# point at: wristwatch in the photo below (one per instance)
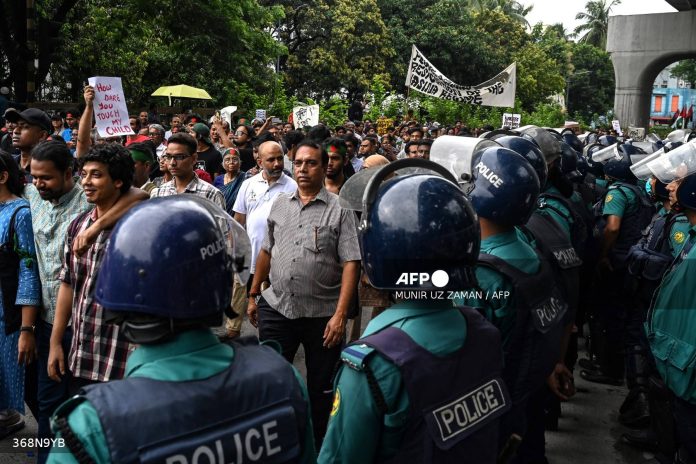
(27, 328)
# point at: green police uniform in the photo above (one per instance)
(192, 355)
(618, 201)
(357, 432)
(671, 326)
(556, 209)
(514, 249)
(678, 233)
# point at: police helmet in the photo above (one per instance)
(530, 151)
(418, 231)
(583, 167)
(455, 154)
(607, 140)
(675, 164)
(659, 191)
(571, 139)
(686, 193)
(619, 168)
(679, 135)
(497, 133)
(171, 259)
(569, 163)
(595, 168)
(591, 138)
(505, 186)
(550, 145)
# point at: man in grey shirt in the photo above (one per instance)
(312, 254)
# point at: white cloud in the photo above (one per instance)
(554, 11)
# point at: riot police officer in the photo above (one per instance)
(671, 321)
(166, 277)
(515, 295)
(621, 217)
(400, 389)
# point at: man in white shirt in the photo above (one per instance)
(257, 193)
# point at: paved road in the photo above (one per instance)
(589, 432)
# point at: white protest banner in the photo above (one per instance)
(498, 91)
(303, 116)
(226, 114)
(616, 126)
(512, 120)
(261, 114)
(110, 110)
(636, 133)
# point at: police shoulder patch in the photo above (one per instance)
(336, 402)
(609, 198)
(679, 237)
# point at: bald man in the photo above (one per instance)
(257, 193)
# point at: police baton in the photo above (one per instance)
(509, 449)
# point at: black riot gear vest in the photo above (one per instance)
(252, 411)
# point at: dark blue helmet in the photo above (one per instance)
(583, 167)
(172, 258)
(418, 231)
(571, 139)
(607, 140)
(686, 193)
(530, 151)
(505, 186)
(659, 191)
(569, 163)
(595, 168)
(620, 168)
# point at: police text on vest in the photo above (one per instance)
(471, 410)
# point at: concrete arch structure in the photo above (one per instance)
(641, 46)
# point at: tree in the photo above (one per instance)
(592, 85)
(19, 48)
(685, 70)
(350, 46)
(596, 17)
(512, 8)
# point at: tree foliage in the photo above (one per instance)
(685, 70)
(596, 22)
(592, 86)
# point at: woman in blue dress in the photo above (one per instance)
(20, 295)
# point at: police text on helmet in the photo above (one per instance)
(212, 248)
(489, 174)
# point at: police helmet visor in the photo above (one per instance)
(641, 170)
(605, 154)
(679, 135)
(549, 145)
(455, 154)
(652, 138)
(351, 194)
(676, 164)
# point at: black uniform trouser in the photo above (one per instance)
(613, 304)
(685, 421)
(320, 361)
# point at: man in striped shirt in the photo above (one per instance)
(312, 257)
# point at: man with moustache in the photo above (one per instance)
(55, 199)
(335, 169)
(98, 350)
(312, 256)
(256, 195)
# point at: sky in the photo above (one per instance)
(554, 11)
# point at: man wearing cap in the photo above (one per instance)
(143, 159)
(208, 157)
(33, 126)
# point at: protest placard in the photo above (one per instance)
(110, 110)
(226, 114)
(498, 91)
(303, 116)
(261, 114)
(616, 126)
(512, 120)
(636, 133)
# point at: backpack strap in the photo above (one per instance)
(13, 241)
